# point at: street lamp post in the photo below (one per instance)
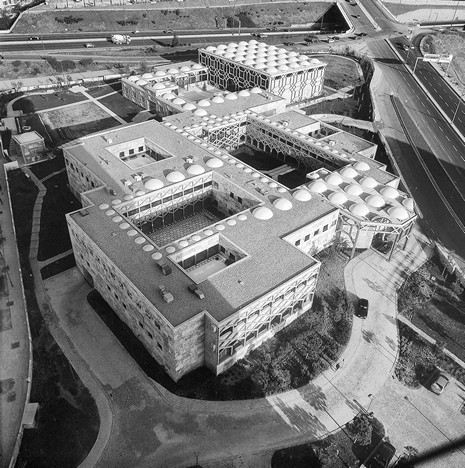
(416, 61)
(458, 105)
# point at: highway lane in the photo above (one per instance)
(437, 163)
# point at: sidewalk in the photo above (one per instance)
(156, 428)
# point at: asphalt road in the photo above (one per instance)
(437, 163)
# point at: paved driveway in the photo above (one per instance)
(421, 419)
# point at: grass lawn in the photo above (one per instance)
(76, 121)
(121, 106)
(340, 72)
(104, 89)
(47, 167)
(37, 102)
(54, 237)
(251, 16)
(68, 419)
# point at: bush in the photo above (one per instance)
(86, 61)
(68, 65)
(16, 63)
(360, 429)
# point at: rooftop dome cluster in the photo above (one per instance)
(261, 56)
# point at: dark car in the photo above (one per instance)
(362, 308)
(440, 383)
(33, 38)
(383, 456)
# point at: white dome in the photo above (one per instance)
(282, 204)
(359, 209)
(249, 62)
(398, 212)
(203, 103)
(197, 66)
(376, 201)
(334, 179)
(175, 176)
(217, 99)
(178, 101)
(133, 78)
(302, 195)
(260, 66)
(389, 192)
(160, 73)
(185, 68)
(153, 184)
(256, 91)
(314, 61)
(189, 106)
(271, 70)
(369, 182)
(158, 86)
(173, 71)
(271, 63)
(141, 83)
(354, 190)
(338, 198)
(232, 44)
(200, 112)
(229, 55)
(230, 97)
(303, 57)
(147, 76)
(210, 49)
(263, 213)
(362, 166)
(304, 63)
(408, 203)
(294, 65)
(349, 172)
(243, 93)
(318, 186)
(214, 162)
(253, 42)
(195, 169)
(169, 96)
(283, 68)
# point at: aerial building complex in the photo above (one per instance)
(203, 252)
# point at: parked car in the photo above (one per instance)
(89, 45)
(33, 38)
(362, 308)
(440, 383)
(383, 456)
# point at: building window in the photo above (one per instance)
(334, 222)
(307, 237)
(316, 232)
(121, 154)
(215, 184)
(159, 345)
(141, 325)
(325, 228)
(141, 148)
(231, 195)
(150, 335)
(222, 249)
(131, 151)
(297, 242)
(239, 199)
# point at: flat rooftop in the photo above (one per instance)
(268, 260)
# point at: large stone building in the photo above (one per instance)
(203, 252)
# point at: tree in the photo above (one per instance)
(409, 454)
(360, 429)
(175, 41)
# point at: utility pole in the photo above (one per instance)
(458, 105)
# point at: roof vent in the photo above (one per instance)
(165, 268)
(84, 212)
(167, 296)
(126, 182)
(110, 190)
(136, 177)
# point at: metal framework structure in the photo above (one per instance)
(269, 313)
(351, 227)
